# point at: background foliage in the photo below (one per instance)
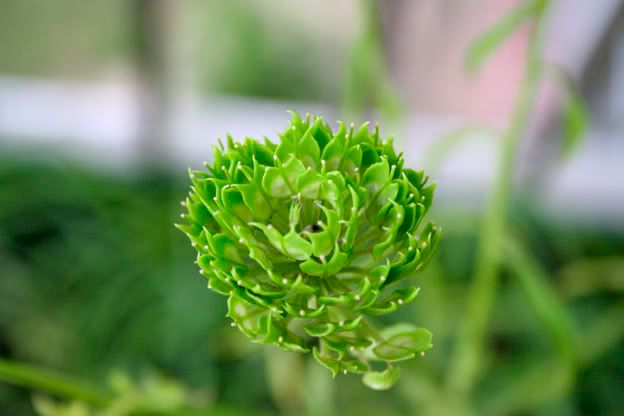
(142, 306)
(96, 284)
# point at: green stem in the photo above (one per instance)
(465, 362)
(606, 331)
(56, 384)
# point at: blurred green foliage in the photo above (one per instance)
(367, 84)
(234, 47)
(245, 52)
(94, 277)
(66, 38)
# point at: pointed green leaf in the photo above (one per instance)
(404, 345)
(393, 302)
(322, 243)
(382, 380)
(362, 135)
(232, 200)
(376, 177)
(255, 201)
(258, 254)
(309, 184)
(308, 150)
(354, 366)
(219, 286)
(323, 329)
(327, 362)
(223, 247)
(269, 329)
(244, 314)
(320, 329)
(275, 184)
(487, 43)
(352, 160)
(331, 267)
(299, 287)
(296, 246)
(334, 150)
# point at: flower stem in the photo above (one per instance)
(465, 362)
(56, 384)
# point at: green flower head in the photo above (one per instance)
(309, 237)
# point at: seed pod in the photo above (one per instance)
(310, 236)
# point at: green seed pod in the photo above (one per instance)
(310, 237)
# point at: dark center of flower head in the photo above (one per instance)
(313, 228)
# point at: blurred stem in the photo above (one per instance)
(367, 82)
(70, 388)
(605, 332)
(56, 384)
(465, 362)
(286, 375)
(524, 390)
(319, 391)
(545, 302)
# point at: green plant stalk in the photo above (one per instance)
(605, 332)
(70, 388)
(53, 383)
(545, 302)
(367, 80)
(525, 390)
(465, 362)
